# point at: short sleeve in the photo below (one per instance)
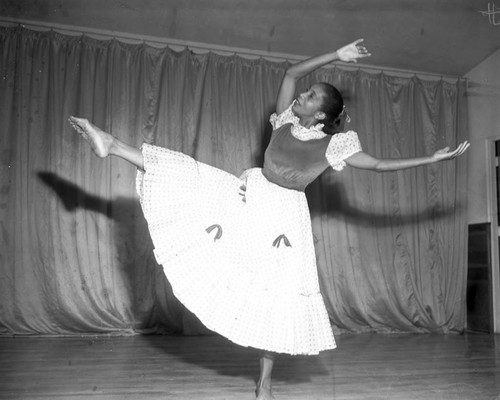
(342, 146)
(286, 117)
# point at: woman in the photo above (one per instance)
(238, 252)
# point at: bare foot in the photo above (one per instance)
(100, 141)
(264, 393)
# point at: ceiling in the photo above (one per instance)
(446, 37)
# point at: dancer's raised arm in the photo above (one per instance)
(348, 53)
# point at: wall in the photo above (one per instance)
(446, 37)
(484, 126)
(484, 123)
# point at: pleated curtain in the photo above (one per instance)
(75, 254)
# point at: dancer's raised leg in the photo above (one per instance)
(264, 391)
(104, 144)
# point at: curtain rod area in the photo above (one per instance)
(200, 48)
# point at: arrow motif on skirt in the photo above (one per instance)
(280, 238)
(218, 235)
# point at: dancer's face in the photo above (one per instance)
(307, 105)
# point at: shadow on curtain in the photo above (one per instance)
(75, 255)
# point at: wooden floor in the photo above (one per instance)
(402, 367)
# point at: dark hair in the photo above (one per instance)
(332, 106)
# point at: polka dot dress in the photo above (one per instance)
(238, 252)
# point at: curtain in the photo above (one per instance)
(75, 255)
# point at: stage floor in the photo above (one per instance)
(374, 366)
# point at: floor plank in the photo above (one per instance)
(403, 367)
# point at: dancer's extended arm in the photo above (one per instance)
(366, 161)
(348, 53)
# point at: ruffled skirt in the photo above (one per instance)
(238, 252)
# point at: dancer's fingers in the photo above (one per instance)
(464, 146)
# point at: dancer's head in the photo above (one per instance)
(324, 104)
(334, 109)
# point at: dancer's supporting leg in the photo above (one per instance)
(264, 383)
(103, 144)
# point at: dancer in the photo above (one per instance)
(238, 251)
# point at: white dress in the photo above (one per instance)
(238, 251)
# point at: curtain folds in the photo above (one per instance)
(75, 255)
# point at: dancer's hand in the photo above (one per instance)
(353, 51)
(446, 154)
